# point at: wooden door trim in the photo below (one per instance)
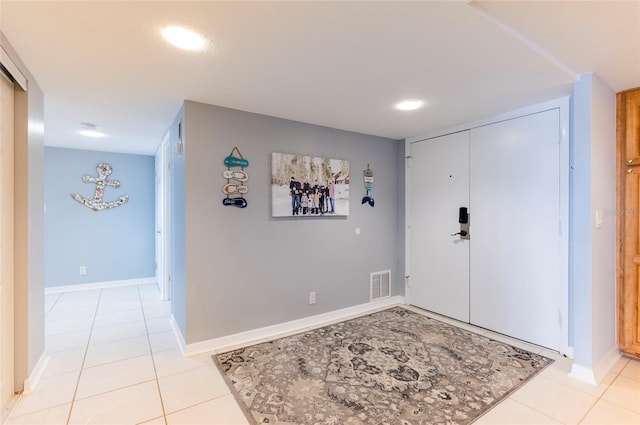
(620, 207)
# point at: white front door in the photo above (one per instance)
(6, 242)
(439, 262)
(509, 276)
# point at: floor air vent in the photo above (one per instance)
(380, 284)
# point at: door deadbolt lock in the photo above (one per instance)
(463, 219)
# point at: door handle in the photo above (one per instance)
(462, 233)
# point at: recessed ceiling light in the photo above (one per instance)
(184, 38)
(89, 129)
(409, 105)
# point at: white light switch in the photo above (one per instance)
(598, 219)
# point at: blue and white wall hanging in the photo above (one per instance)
(97, 204)
(368, 186)
(236, 188)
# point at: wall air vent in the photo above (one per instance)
(380, 283)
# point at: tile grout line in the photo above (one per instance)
(207, 401)
(153, 361)
(597, 400)
(530, 408)
(545, 414)
(7, 418)
(582, 418)
(118, 340)
(84, 359)
(114, 390)
(114, 361)
(54, 304)
(618, 374)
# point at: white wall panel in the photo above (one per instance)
(515, 259)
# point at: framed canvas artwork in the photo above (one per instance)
(309, 186)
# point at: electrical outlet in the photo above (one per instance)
(312, 297)
(83, 270)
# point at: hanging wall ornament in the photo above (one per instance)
(97, 204)
(235, 189)
(368, 185)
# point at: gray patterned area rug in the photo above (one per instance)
(390, 367)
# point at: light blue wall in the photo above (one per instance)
(593, 250)
(581, 223)
(603, 183)
(114, 244)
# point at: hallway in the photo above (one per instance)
(115, 360)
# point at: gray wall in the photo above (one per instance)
(243, 268)
(29, 223)
(114, 244)
(593, 250)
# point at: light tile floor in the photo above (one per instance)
(114, 360)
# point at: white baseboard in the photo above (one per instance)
(242, 339)
(99, 285)
(177, 333)
(595, 374)
(604, 366)
(33, 380)
(583, 373)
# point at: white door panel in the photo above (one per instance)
(439, 262)
(515, 259)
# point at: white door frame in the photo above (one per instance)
(163, 218)
(159, 256)
(562, 105)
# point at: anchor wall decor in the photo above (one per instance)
(97, 204)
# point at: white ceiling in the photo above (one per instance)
(337, 64)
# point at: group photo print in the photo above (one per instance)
(308, 186)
